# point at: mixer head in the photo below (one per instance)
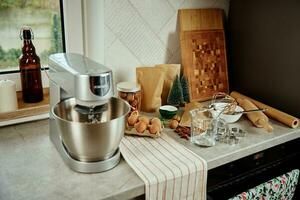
(89, 82)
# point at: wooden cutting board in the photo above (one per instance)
(201, 19)
(203, 52)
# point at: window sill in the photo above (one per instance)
(27, 111)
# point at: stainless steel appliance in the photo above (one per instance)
(86, 122)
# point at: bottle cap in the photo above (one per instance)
(26, 33)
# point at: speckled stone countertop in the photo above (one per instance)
(31, 168)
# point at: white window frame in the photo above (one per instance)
(93, 29)
(84, 33)
(73, 27)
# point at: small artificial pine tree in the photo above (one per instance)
(185, 89)
(175, 97)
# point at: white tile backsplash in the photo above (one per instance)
(169, 34)
(176, 3)
(124, 64)
(155, 13)
(109, 38)
(127, 25)
(144, 32)
(198, 3)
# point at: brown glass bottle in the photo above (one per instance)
(30, 69)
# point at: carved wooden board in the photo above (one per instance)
(203, 55)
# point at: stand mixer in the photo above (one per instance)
(86, 122)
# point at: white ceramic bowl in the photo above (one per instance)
(227, 118)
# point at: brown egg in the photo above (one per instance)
(132, 119)
(177, 118)
(135, 113)
(140, 127)
(173, 124)
(144, 119)
(155, 120)
(130, 97)
(154, 128)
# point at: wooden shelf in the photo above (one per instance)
(26, 110)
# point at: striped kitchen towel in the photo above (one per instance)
(168, 169)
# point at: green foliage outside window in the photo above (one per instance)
(56, 39)
(35, 4)
(31, 9)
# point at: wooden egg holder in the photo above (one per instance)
(130, 130)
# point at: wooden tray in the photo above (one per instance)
(27, 111)
(146, 133)
(130, 130)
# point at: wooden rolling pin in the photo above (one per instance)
(259, 119)
(278, 115)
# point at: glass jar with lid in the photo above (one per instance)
(130, 92)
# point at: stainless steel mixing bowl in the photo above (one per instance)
(91, 141)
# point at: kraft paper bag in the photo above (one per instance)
(151, 80)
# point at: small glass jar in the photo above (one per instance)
(130, 92)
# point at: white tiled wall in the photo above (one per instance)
(144, 32)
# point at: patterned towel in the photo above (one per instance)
(279, 188)
(168, 169)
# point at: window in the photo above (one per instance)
(43, 16)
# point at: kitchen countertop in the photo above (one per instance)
(31, 168)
